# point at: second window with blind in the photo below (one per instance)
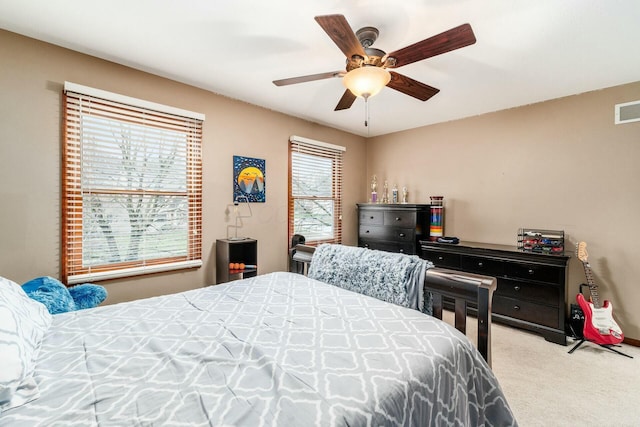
(315, 190)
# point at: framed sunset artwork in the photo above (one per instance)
(249, 179)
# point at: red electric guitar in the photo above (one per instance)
(599, 325)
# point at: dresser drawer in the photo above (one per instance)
(524, 310)
(403, 234)
(480, 265)
(545, 294)
(400, 219)
(539, 273)
(373, 232)
(442, 259)
(404, 248)
(387, 233)
(371, 217)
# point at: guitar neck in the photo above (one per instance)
(593, 288)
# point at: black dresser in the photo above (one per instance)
(393, 227)
(531, 292)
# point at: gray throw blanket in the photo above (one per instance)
(392, 277)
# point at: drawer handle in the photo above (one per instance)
(401, 251)
(371, 217)
(516, 288)
(516, 307)
(401, 234)
(398, 218)
(367, 231)
(366, 245)
(531, 271)
(440, 258)
(480, 264)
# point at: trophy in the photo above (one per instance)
(374, 190)
(385, 193)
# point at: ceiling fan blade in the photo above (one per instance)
(447, 41)
(309, 78)
(337, 27)
(411, 87)
(346, 101)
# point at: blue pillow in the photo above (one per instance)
(50, 292)
(87, 295)
(60, 299)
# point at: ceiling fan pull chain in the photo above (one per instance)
(366, 112)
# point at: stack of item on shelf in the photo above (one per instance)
(541, 241)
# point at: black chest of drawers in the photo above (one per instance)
(531, 292)
(392, 227)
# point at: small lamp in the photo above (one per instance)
(238, 220)
(366, 81)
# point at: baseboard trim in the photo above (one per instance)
(631, 341)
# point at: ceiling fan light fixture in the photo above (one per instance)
(366, 81)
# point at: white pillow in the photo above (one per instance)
(23, 322)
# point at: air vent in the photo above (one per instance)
(627, 112)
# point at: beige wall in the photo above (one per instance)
(32, 74)
(560, 165)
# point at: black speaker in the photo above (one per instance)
(295, 266)
(297, 239)
(576, 322)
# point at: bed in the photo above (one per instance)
(277, 349)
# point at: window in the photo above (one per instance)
(315, 190)
(132, 186)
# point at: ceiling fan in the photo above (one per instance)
(361, 56)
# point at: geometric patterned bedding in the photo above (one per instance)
(277, 349)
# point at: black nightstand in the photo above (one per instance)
(235, 251)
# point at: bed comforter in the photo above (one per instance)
(277, 349)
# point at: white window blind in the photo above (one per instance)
(315, 190)
(132, 186)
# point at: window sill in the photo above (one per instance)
(134, 271)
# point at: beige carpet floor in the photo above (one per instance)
(546, 386)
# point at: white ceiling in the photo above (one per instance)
(527, 50)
